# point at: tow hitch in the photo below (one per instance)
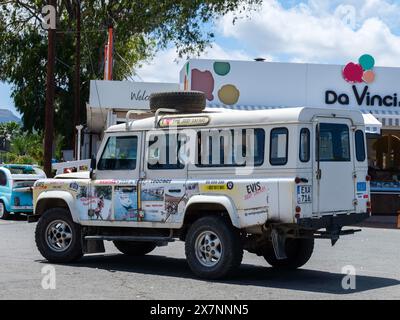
(334, 234)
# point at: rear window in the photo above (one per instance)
(304, 153)
(278, 155)
(240, 145)
(334, 142)
(360, 145)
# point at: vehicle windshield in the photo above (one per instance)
(22, 170)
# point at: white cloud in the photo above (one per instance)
(165, 66)
(315, 32)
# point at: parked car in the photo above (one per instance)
(280, 179)
(16, 182)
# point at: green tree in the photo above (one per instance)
(141, 28)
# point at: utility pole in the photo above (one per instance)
(77, 91)
(49, 111)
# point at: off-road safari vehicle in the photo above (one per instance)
(267, 181)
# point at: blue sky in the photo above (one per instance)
(314, 31)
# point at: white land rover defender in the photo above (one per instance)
(268, 181)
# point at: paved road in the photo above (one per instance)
(164, 274)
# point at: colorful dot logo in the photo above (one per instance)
(361, 71)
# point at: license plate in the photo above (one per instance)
(304, 194)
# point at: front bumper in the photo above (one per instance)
(332, 222)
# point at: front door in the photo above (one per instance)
(333, 181)
(113, 194)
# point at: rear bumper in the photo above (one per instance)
(332, 221)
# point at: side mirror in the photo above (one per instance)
(93, 167)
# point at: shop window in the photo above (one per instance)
(334, 142)
(304, 154)
(224, 143)
(163, 152)
(119, 154)
(386, 154)
(278, 154)
(360, 145)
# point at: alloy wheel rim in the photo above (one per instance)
(208, 248)
(1, 209)
(59, 235)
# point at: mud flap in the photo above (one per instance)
(93, 246)
(278, 243)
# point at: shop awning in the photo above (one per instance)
(387, 118)
(372, 124)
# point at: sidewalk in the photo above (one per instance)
(388, 222)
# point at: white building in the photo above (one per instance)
(249, 85)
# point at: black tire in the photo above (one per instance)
(298, 252)
(231, 249)
(73, 251)
(135, 248)
(183, 101)
(4, 214)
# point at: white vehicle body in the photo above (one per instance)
(309, 174)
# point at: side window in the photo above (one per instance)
(278, 154)
(304, 153)
(163, 151)
(120, 153)
(3, 179)
(230, 153)
(360, 145)
(334, 142)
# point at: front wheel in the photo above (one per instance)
(135, 248)
(213, 248)
(4, 214)
(58, 237)
(298, 252)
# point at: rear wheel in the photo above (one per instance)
(135, 248)
(58, 237)
(213, 248)
(4, 214)
(298, 252)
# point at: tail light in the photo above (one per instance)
(368, 178)
(297, 180)
(368, 207)
(297, 210)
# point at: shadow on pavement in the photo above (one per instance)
(248, 275)
(16, 217)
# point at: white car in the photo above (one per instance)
(269, 182)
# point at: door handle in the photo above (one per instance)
(174, 190)
(318, 174)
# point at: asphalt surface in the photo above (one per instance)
(164, 274)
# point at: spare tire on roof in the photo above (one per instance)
(183, 101)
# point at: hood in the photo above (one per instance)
(73, 175)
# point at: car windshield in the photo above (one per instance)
(22, 170)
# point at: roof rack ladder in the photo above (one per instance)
(165, 110)
(128, 115)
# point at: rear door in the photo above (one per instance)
(333, 178)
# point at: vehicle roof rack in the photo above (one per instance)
(165, 110)
(128, 115)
